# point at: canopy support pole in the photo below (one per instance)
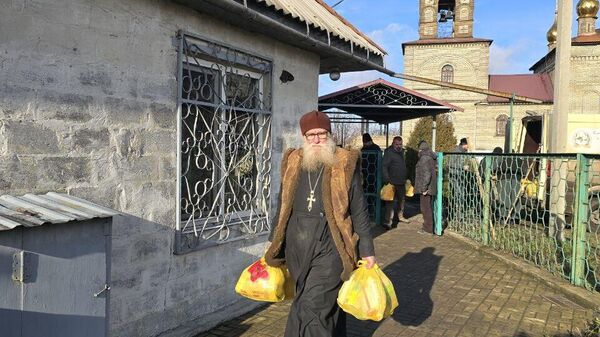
(434, 134)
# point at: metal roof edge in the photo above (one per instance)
(32, 210)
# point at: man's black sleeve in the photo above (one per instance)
(360, 217)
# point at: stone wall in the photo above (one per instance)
(471, 67)
(484, 135)
(585, 80)
(88, 107)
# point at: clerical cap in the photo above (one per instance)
(314, 120)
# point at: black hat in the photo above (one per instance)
(463, 141)
(367, 138)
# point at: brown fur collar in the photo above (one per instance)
(336, 186)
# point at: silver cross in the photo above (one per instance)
(310, 200)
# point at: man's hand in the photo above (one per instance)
(371, 261)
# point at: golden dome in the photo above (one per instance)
(552, 34)
(588, 8)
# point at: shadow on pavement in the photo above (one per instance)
(413, 276)
(411, 209)
(567, 334)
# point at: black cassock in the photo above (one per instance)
(314, 262)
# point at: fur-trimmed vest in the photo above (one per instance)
(336, 187)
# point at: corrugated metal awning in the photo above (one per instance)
(319, 14)
(32, 210)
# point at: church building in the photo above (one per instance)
(448, 51)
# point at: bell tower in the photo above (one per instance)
(440, 19)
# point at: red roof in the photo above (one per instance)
(538, 86)
(593, 39)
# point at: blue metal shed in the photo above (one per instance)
(54, 266)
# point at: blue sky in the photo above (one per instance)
(518, 28)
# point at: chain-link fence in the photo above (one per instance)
(542, 208)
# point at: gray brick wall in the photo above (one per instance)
(88, 107)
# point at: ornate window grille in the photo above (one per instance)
(448, 74)
(501, 122)
(225, 142)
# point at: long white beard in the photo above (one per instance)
(313, 158)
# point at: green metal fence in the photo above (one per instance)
(541, 208)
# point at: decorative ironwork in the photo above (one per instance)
(225, 144)
(377, 95)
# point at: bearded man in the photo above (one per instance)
(322, 221)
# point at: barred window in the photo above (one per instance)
(225, 152)
(448, 74)
(501, 122)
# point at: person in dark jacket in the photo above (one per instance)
(426, 184)
(370, 165)
(460, 182)
(394, 172)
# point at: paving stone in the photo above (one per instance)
(445, 288)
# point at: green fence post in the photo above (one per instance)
(438, 197)
(487, 183)
(580, 221)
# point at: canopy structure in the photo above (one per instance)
(383, 102)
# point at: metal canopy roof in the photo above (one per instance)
(32, 210)
(385, 102)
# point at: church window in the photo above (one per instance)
(501, 122)
(590, 102)
(448, 74)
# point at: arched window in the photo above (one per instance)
(448, 74)
(501, 122)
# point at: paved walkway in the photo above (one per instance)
(445, 288)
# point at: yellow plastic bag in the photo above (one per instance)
(387, 192)
(529, 187)
(410, 190)
(368, 294)
(262, 282)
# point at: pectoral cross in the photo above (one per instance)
(310, 200)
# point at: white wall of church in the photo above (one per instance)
(585, 80)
